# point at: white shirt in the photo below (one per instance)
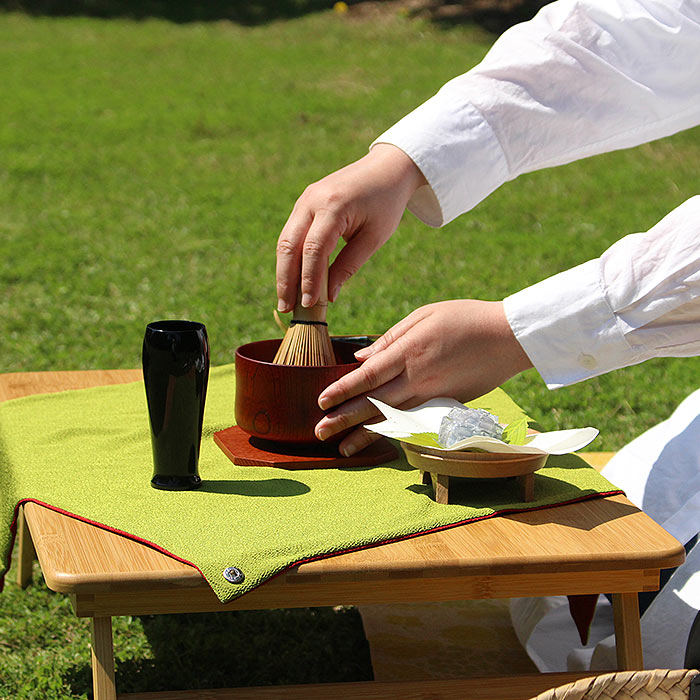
(584, 78)
(579, 79)
(640, 299)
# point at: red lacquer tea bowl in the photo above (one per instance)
(280, 402)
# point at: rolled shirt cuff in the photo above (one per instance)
(457, 152)
(568, 329)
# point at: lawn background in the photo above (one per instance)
(146, 169)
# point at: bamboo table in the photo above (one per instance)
(604, 545)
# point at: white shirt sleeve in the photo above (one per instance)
(640, 299)
(581, 78)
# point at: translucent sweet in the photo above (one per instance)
(462, 423)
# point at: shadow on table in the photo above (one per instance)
(565, 516)
(553, 496)
(240, 649)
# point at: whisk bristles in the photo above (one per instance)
(306, 343)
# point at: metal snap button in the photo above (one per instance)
(233, 574)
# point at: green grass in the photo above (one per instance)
(44, 652)
(146, 169)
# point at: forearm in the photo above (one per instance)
(581, 78)
(640, 299)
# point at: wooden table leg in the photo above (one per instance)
(628, 632)
(103, 687)
(27, 554)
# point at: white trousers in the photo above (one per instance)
(660, 473)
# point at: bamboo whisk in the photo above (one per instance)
(306, 341)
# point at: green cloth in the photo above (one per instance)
(88, 452)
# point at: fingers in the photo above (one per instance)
(363, 240)
(289, 250)
(355, 412)
(319, 243)
(393, 335)
(360, 438)
(356, 441)
(372, 374)
(360, 411)
(381, 376)
(363, 202)
(459, 348)
(349, 260)
(304, 246)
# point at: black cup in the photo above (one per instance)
(176, 372)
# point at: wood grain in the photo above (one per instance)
(102, 653)
(594, 546)
(279, 402)
(489, 688)
(279, 593)
(597, 459)
(27, 554)
(626, 615)
(607, 534)
(475, 465)
(14, 385)
(524, 543)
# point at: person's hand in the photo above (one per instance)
(460, 348)
(363, 203)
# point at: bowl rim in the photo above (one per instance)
(292, 367)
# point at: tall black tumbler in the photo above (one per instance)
(176, 372)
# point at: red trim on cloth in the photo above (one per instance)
(316, 557)
(116, 531)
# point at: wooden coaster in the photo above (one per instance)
(246, 451)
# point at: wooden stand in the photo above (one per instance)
(437, 466)
(441, 485)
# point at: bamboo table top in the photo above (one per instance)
(602, 545)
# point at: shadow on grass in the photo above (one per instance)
(242, 649)
(180, 11)
(493, 15)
